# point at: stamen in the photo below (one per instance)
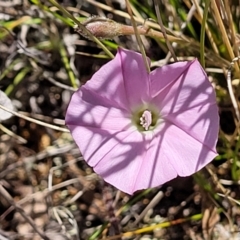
(146, 119)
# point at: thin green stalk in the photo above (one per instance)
(235, 168)
(134, 200)
(19, 77)
(67, 66)
(9, 68)
(199, 18)
(98, 233)
(202, 37)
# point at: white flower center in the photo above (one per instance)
(146, 119)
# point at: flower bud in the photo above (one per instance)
(101, 27)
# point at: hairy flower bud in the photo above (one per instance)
(105, 28)
(101, 27)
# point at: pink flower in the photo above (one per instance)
(139, 130)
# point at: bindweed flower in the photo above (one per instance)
(139, 130)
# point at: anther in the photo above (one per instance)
(146, 119)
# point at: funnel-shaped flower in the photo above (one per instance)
(138, 129)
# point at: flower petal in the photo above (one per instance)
(137, 165)
(155, 167)
(136, 77)
(123, 80)
(80, 112)
(191, 88)
(120, 165)
(162, 77)
(200, 122)
(189, 102)
(96, 144)
(128, 160)
(186, 154)
(108, 82)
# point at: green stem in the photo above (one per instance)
(17, 80)
(67, 66)
(202, 37)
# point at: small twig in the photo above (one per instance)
(151, 205)
(34, 120)
(229, 198)
(12, 134)
(228, 182)
(61, 85)
(41, 117)
(46, 192)
(6, 195)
